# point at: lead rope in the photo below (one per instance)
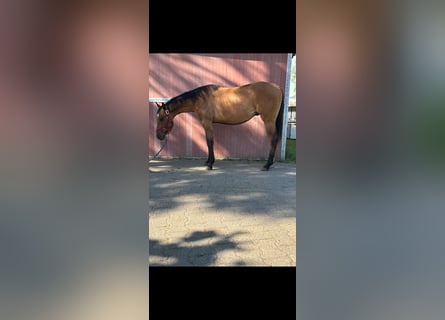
(162, 147)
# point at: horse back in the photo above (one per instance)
(235, 105)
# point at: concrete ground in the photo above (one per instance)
(233, 215)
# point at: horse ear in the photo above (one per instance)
(160, 105)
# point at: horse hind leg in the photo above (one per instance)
(273, 136)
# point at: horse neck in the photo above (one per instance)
(181, 107)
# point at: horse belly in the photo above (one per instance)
(234, 116)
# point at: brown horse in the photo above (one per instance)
(227, 105)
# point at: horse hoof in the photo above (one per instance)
(265, 169)
(209, 168)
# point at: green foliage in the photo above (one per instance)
(291, 150)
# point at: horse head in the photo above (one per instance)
(164, 121)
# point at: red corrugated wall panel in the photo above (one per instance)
(173, 74)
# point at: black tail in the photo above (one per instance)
(279, 120)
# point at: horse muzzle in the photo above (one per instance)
(160, 135)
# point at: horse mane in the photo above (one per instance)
(192, 95)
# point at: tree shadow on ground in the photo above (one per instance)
(233, 186)
(189, 252)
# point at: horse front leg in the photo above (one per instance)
(209, 139)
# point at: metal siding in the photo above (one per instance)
(173, 74)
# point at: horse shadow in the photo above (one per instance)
(191, 251)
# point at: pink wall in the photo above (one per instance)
(173, 74)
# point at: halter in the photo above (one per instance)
(168, 124)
